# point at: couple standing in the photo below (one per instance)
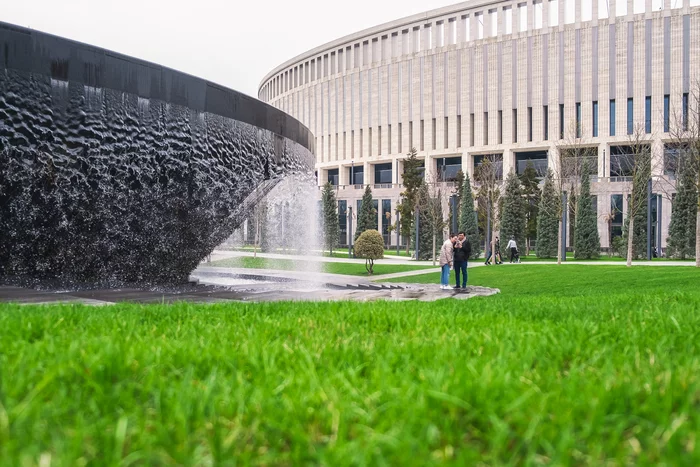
(455, 252)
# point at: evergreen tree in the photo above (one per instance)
(412, 179)
(531, 191)
(331, 227)
(548, 219)
(467, 221)
(681, 231)
(586, 239)
(367, 217)
(512, 213)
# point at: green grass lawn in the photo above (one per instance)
(350, 269)
(570, 365)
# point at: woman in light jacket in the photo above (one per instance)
(446, 259)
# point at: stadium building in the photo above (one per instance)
(514, 80)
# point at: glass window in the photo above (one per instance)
(529, 123)
(522, 16)
(447, 168)
(343, 222)
(386, 220)
(537, 158)
(616, 217)
(667, 111)
(647, 114)
(685, 111)
(545, 112)
(375, 206)
(612, 117)
(496, 159)
(630, 115)
(595, 119)
(553, 13)
(537, 5)
(578, 119)
(357, 175)
(333, 177)
(561, 121)
(383, 174)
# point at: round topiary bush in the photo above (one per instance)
(370, 246)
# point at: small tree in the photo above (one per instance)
(367, 217)
(531, 192)
(513, 212)
(489, 175)
(586, 239)
(432, 222)
(638, 161)
(331, 228)
(412, 179)
(467, 220)
(548, 219)
(370, 246)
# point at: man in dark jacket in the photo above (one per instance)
(462, 250)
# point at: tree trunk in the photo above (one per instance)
(630, 241)
(434, 249)
(697, 238)
(561, 224)
(493, 247)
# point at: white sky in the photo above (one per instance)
(234, 43)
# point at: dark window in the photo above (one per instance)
(447, 133)
(621, 161)
(578, 119)
(545, 111)
(612, 117)
(486, 129)
(616, 218)
(386, 220)
(422, 135)
(667, 112)
(561, 121)
(447, 168)
(333, 177)
(672, 153)
(343, 222)
(471, 129)
(537, 158)
(630, 115)
(375, 205)
(500, 127)
(357, 175)
(434, 134)
(383, 174)
(515, 125)
(459, 131)
(685, 111)
(529, 123)
(595, 119)
(410, 136)
(497, 160)
(647, 114)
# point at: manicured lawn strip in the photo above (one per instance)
(575, 280)
(522, 379)
(351, 269)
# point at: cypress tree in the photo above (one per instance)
(412, 179)
(548, 220)
(586, 238)
(512, 213)
(367, 218)
(467, 220)
(531, 190)
(681, 231)
(638, 208)
(331, 227)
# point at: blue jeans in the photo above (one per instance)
(445, 279)
(461, 267)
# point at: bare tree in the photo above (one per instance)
(685, 134)
(436, 207)
(573, 154)
(488, 177)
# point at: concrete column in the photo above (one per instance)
(343, 175)
(508, 162)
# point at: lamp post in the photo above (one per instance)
(453, 204)
(649, 195)
(564, 220)
(350, 255)
(417, 233)
(398, 233)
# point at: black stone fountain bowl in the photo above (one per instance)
(114, 170)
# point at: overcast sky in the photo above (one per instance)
(231, 42)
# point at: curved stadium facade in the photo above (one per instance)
(512, 79)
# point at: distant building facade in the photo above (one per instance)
(515, 79)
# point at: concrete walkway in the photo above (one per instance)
(228, 254)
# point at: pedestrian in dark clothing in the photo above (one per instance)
(462, 251)
(497, 256)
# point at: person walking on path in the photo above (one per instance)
(495, 255)
(462, 251)
(446, 259)
(513, 247)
